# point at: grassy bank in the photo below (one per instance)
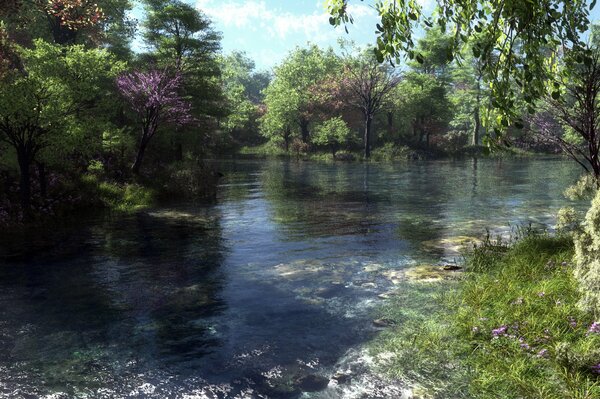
(511, 328)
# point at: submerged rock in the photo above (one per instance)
(312, 383)
(383, 323)
(395, 276)
(451, 268)
(341, 377)
(387, 295)
(430, 273)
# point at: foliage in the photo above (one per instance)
(369, 87)
(46, 107)
(332, 133)
(288, 97)
(178, 32)
(154, 97)
(517, 42)
(243, 87)
(587, 258)
(392, 152)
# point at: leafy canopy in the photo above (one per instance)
(517, 41)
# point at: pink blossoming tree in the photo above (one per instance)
(154, 97)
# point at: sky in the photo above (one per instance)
(267, 30)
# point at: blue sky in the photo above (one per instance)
(268, 29)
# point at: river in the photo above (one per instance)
(265, 294)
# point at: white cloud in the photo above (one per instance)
(249, 14)
(361, 10)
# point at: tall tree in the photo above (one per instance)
(572, 119)
(179, 33)
(242, 86)
(303, 68)
(43, 106)
(369, 86)
(180, 36)
(154, 96)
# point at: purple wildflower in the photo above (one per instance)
(596, 368)
(594, 328)
(497, 332)
(542, 353)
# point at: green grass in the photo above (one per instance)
(125, 197)
(527, 294)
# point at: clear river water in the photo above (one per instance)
(266, 293)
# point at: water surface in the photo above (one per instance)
(277, 281)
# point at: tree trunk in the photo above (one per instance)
(43, 178)
(25, 182)
(477, 116)
(286, 139)
(333, 151)
(304, 130)
(135, 168)
(390, 123)
(367, 138)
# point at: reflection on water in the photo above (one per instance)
(268, 293)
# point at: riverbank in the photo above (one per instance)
(63, 197)
(387, 153)
(510, 328)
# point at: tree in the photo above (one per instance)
(99, 23)
(369, 85)
(280, 118)
(577, 110)
(303, 68)
(242, 86)
(154, 97)
(423, 98)
(43, 106)
(516, 41)
(468, 96)
(332, 133)
(178, 32)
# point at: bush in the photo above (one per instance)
(587, 258)
(393, 152)
(453, 141)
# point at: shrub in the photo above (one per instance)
(333, 133)
(393, 152)
(587, 258)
